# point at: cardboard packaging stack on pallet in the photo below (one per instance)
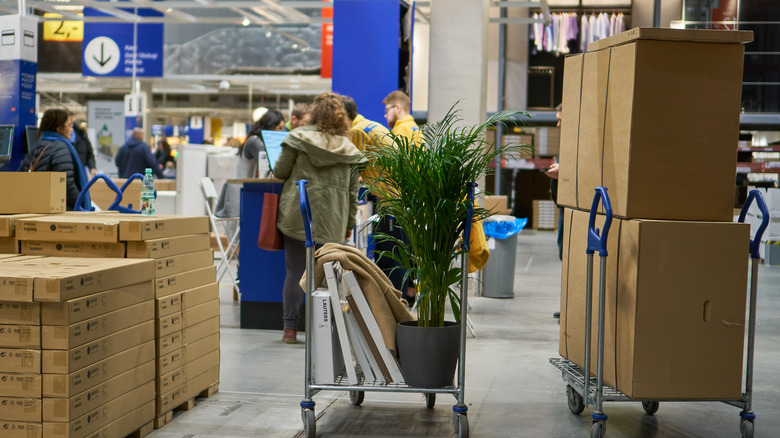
(186, 294)
(545, 215)
(653, 115)
(76, 347)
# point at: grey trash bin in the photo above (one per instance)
(498, 276)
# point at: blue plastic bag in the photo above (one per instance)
(503, 229)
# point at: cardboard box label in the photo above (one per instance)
(14, 360)
(20, 336)
(20, 409)
(16, 429)
(20, 385)
(20, 313)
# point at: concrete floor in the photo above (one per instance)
(511, 389)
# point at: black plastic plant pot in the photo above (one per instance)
(428, 355)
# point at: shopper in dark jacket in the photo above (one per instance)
(135, 156)
(55, 153)
(84, 148)
(163, 154)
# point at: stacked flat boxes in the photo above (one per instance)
(638, 109)
(76, 347)
(545, 215)
(186, 294)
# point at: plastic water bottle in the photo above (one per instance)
(147, 194)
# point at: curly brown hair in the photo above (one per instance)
(328, 113)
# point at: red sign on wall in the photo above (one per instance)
(326, 56)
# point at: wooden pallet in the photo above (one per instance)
(143, 431)
(167, 417)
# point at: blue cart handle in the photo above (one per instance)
(466, 245)
(756, 240)
(305, 211)
(596, 242)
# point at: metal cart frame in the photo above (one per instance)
(357, 392)
(581, 391)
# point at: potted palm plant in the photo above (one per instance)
(424, 188)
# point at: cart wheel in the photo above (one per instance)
(576, 403)
(650, 407)
(357, 397)
(430, 400)
(598, 430)
(461, 423)
(746, 427)
(309, 423)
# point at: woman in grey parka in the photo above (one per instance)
(321, 154)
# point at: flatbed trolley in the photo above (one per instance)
(593, 389)
(357, 392)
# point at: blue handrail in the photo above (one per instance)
(305, 212)
(755, 242)
(598, 242)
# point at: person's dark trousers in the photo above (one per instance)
(560, 234)
(394, 271)
(292, 294)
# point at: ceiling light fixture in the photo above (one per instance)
(246, 21)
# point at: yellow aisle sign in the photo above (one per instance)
(62, 30)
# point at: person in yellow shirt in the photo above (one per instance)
(397, 113)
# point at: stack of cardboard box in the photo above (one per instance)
(79, 361)
(652, 115)
(186, 294)
(545, 215)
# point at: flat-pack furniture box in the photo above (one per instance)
(73, 249)
(653, 115)
(497, 204)
(675, 299)
(69, 228)
(167, 246)
(8, 223)
(32, 192)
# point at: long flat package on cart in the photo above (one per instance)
(675, 299)
(168, 246)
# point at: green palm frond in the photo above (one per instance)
(424, 188)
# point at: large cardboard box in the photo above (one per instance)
(168, 401)
(101, 416)
(172, 284)
(168, 324)
(200, 348)
(34, 192)
(183, 262)
(20, 313)
(69, 228)
(639, 108)
(168, 305)
(64, 337)
(20, 385)
(168, 246)
(20, 409)
(20, 336)
(67, 409)
(169, 343)
(90, 306)
(68, 385)
(8, 223)
(202, 365)
(170, 381)
(200, 313)
(201, 382)
(675, 298)
(15, 286)
(17, 429)
(134, 227)
(199, 295)
(137, 420)
(169, 362)
(201, 330)
(68, 361)
(73, 249)
(15, 360)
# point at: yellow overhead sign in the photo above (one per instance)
(62, 30)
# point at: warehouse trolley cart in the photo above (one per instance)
(115, 206)
(583, 389)
(357, 392)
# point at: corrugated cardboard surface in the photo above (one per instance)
(70, 228)
(570, 127)
(8, 223)
(170, 380)
(183, 262)
(20, 385)
(70, 336)
(73, 249)
(497, 204)
(20, 409)
(37, 192)
(200, 330)
(102, 416)
(171, 399)
(203, 381)
(169, 362)
(80, 309)
(665, 34)
(168, 305)
(68, 361)
(172, 284)
(156, 227)
(17, 429)
(168, 324)
(19, 313)
(200, 348)
(20, 336)
(201, 364)
(675, 299)
(67, 409)
(15, 360)
(67, 385)
(128, 423)
(15, 286)
(63, 278)
(169, 343)
(200, 313)
(168, 246)
(9, 245)
(199, 295)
